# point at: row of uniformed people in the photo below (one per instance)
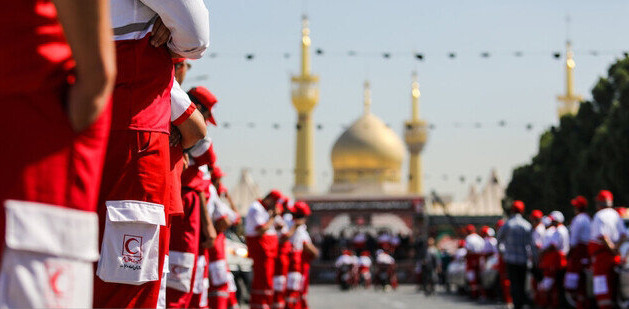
(89, 92)
(562, 256)
(281, 249)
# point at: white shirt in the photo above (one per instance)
(187, 20)
(384, 258)
(538, 235)
(491, 245)
(299, 238)
(257, 216)
(180, 102)
(343, 260)
(580, 229)
(460, 253)
(364, 261)
(219, 209)
(607, 222)
(547, 238)
(474, 243)
(561, 239)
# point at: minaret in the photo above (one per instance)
(415, 135)
(305, 95)
(569, 103)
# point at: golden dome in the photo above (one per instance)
(367, 152)
(368, 144)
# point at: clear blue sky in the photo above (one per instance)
(466, 90)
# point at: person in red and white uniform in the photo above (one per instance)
(218, 269)
(474, 245)
(302, 252)
(187, 128)
(57, 76)
(364, 268)
(537, 235)
(262, 244)
(607, 233)
(283, 224)
(548, 253)
(578, 257)
(134, 200)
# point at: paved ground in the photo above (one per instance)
(329, 296)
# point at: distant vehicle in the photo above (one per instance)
(240, 264)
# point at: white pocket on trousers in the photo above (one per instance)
(293, 281)
(130, 248)
(218, 272)
(197, 288)
(571, 281)
(47, 261)
(279, 283)
(600, 285)
(181, 266)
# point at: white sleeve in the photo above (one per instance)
(189, 25)
(622, 230)
(181, 106)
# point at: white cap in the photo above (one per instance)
(556, 216)
(547, 221)
(491, 232)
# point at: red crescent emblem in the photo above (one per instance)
(53, 282)
(126, 245)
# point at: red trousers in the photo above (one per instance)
(232, 302)
(505, 284)
(279, 278)
(306, 284)
(44, 160)
(472, 272)
(184, 237)
(136, 168)
(575, 281)
(552, 262)
(218, 295)
(605, 279)
(200, 300)
(263, 250)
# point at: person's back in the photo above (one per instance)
(516, 237)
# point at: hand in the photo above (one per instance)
(85, 104)
(160, 33)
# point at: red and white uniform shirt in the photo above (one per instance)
(538, 235)
(344, 259)
(364, 262)
(580, 230)
(547, 237)
(257, 216)
(607, 222)
(294, 280)
(384, 258)
(560, 239)
(491, 246)
(474, 244)
(181, 107)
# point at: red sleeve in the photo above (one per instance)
(185, 115)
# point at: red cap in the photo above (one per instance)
(217, 172)
(484, 230)
(579, 202)
(500, 223)
(461, 243)
(301, 209)
(204, 97)
(470, 228)
(289, 205)
(517, 206)
(365, 253)
(605, 196)
(622, 211)
(178, 60)
(346, 252)
(536, 214)
(276, 194)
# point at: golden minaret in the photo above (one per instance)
(415, 136)
(569, 103)
(305, 95)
